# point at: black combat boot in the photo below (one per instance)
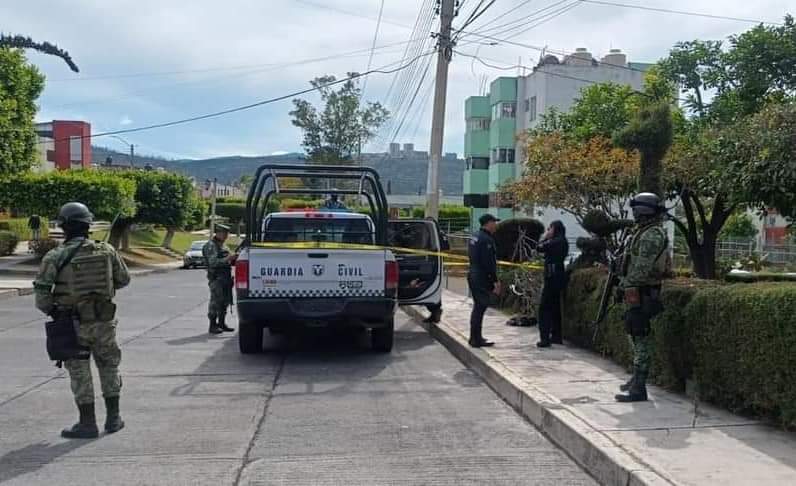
(113, 421)
(637, 391)
(86, 428)
(629, 384)
(222, 324)
(214, 329)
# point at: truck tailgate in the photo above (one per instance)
(290, 273)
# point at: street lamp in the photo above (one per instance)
(132, 148)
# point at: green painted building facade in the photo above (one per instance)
(489, 149)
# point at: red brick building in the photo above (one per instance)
(64, 145)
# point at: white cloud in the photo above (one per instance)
(156, 61)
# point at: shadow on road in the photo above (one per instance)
(35, 456)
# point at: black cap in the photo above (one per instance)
(486, 218)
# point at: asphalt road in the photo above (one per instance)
(319, 409)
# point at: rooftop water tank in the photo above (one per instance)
(615, 57)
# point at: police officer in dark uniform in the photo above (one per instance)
(482, 276)
(555, 248)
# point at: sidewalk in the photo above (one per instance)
(568, 393)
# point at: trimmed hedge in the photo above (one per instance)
(737, 342)
(745, 338)
(8, 242)
(43, 246)
(760, 277)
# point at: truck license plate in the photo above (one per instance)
(351, 284)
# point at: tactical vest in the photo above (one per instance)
(662, 267)
(88, 277)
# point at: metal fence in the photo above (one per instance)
(739, 248)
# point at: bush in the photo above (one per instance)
(735, 341)
(41, 247)
(745, 342)
(8, 242)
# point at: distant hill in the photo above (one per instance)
(406, 176)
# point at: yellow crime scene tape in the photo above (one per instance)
(457, 260)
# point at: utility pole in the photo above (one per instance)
(444, 54)
(132, 155)
(213, 208)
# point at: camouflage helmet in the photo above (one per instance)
(646, 204)
(74, 212)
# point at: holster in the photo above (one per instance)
(62, 340)
(638, 317)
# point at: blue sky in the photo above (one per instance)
(146, 61)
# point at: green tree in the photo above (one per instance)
(754, 70)
(649, 133)
(20, 85)
(163, 199)
(739, 225)
(336, 131)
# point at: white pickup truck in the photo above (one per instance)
(315, 284)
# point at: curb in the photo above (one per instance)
(9, 293)
(601, 457)
(151, 271)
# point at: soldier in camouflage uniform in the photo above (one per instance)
(84, 287)
(643, 268)
(219, 278)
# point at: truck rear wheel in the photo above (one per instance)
(250, 337)
(382, 338)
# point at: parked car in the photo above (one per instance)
(193, 258)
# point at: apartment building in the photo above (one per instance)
(493, 149)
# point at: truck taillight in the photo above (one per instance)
(391, 277)
(242, 274)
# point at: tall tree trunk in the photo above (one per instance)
(169, 237)
(120, 234)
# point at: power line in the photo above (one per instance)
(216, 114)
(535, 22)
(350, 13)
(132, 94)
(373, 48)
(475, 15)
(542, 70)
(218, 68)
(513, 9)
(678, 12)
(521, 21)
(562, 53)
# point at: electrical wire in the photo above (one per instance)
(679, 12)
(372, 49)
(542, 70)
(132, 94)
(513, 9)
(350, 13)
(220, 68)
(474, 16)
(382, 70)
(521, 21)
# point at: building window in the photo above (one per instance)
(503, 110)
(527, 105)
(475, 124)
(531, 109)
(478, 163)
(503, 156)
(75, 150)
(508, 110)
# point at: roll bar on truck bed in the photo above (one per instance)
(266, 184)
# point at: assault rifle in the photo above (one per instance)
(609, 296)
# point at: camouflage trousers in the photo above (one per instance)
(641, 353)
(220, 297)
(100, 338)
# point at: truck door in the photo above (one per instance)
(420, 276)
